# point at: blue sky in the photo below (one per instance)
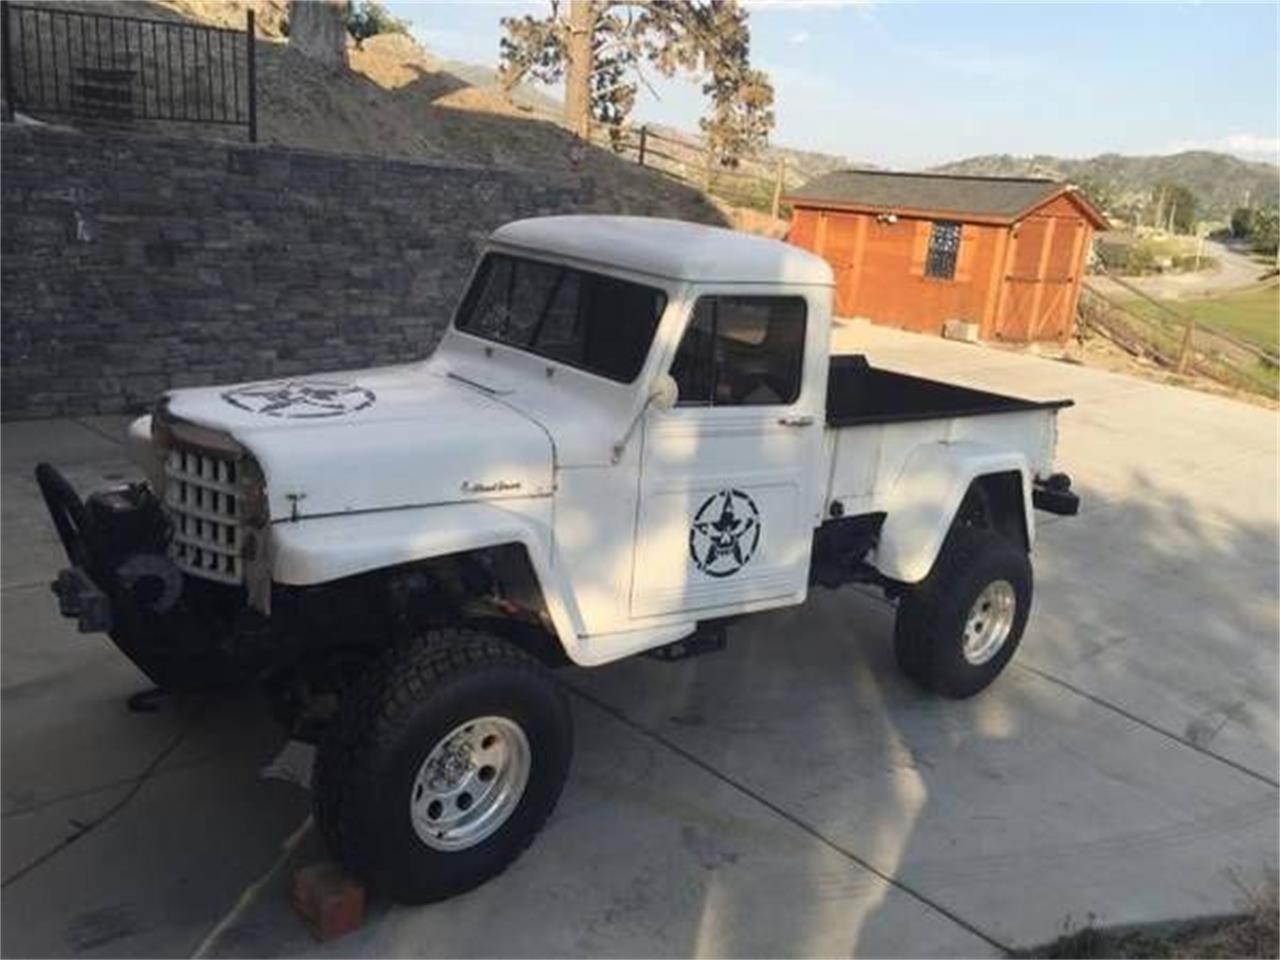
(908, 85)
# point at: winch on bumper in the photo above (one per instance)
(126, 579)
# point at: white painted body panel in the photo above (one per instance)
(918, 472)
(694, 454)
(921, 503)
(667, 249)
(142, 451)
(324, 549)
(483, 444)
(422, 438)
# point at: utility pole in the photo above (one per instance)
(777, 186)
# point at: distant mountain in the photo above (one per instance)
(1220, 181)
(812, 163)
(1122, 184)
(801, 165)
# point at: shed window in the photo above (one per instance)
(741, 351)
(944, 244)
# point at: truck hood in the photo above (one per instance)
(375, 440)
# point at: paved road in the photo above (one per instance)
(791, 796)
(1236, 269)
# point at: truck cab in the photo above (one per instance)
(631, 433)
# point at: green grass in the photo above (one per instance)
(1253, 933)
(1251, 315)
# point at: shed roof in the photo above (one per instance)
(992, 198)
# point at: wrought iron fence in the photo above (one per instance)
(121, 69)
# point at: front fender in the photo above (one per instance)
(924, 500)
(324, 549)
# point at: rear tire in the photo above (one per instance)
(957, 629)
(442, 765)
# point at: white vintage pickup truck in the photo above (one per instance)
(631, 434)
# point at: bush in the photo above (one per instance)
(370, 18)
(1242, 222)
(1188, 262)
(1126, 258)
(1266, 231)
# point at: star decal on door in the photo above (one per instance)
(725, 533)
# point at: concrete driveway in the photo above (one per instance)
(791, 796)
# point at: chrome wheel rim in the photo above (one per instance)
(990, 622)
(470, 783)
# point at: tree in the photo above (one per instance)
(317, 29)
(1265, 232)
(1242, 222)
(599, 49)
(370, 18)
(1100, 192)
(1175, 207)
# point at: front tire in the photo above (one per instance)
(442, 765)
(956, 631)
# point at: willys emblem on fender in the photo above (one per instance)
(725, 533)
(301, 398)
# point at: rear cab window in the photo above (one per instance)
(591, 321)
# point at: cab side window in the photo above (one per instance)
(741, 351)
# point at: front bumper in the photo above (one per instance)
(82, 600)
(183, 632)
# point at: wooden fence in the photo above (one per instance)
(753, 185)
(1174, 340)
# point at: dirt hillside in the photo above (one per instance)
(398, 101)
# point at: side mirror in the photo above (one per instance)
(665, 393)
(662, 397)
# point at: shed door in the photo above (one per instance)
(1054, 320)
(841, 251)
(1037, 289)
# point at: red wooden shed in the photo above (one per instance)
(914, 250)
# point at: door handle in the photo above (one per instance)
(803, 420)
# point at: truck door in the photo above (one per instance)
(726, 519)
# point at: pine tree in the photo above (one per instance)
(600, 48)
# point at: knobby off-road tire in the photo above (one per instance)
(956, 631)
(403, 736)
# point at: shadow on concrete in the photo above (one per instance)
(1050, 799)
(791, 796)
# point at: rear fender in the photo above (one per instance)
(926, 496)
(325, 549)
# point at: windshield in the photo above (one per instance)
(588, 320)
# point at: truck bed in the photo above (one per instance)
(860, 394)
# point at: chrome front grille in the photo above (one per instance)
(201, 494)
